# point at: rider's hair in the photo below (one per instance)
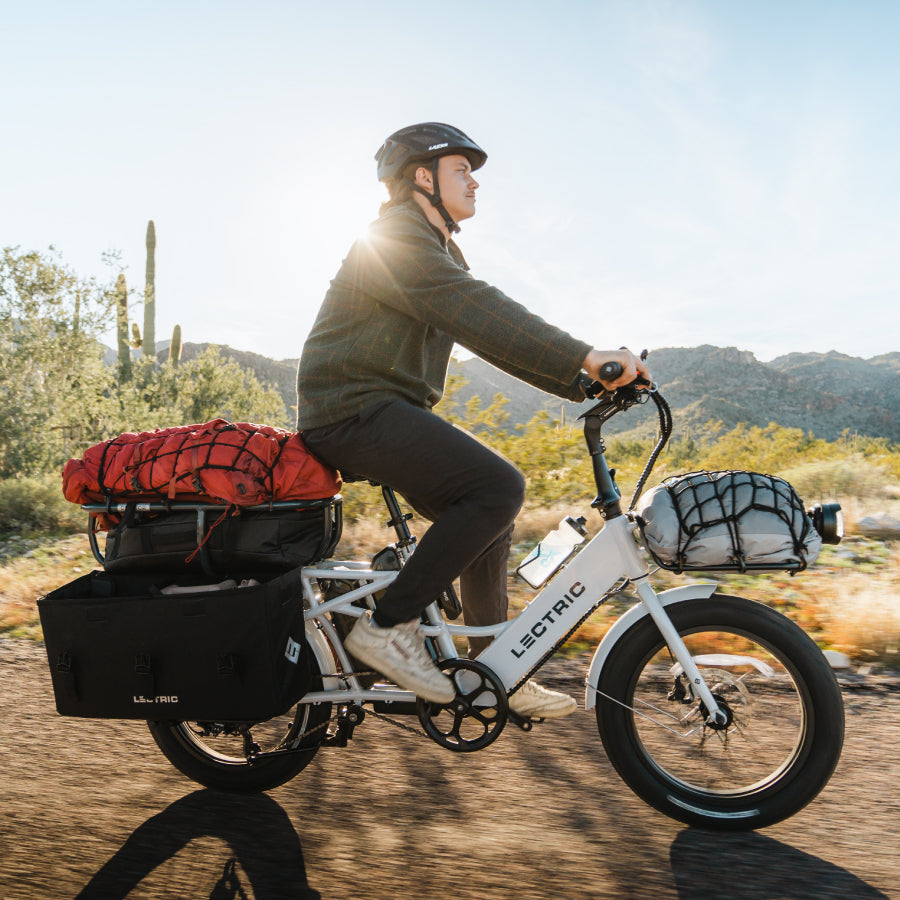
(400, 189)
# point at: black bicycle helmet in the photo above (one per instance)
(423, 142)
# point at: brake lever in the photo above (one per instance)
(594, 390)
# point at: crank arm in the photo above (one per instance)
(526, 723)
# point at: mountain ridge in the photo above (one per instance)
(826, 394)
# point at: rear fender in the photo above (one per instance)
(322, 652)
(635, 614)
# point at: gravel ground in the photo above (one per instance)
(92, 809)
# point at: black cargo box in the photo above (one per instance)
(120, 648)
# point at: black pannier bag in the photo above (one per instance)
(241, 543)
(729, 521)
(119, 647)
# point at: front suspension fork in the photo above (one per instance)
(714, 714)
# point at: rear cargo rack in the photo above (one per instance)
(331, 508)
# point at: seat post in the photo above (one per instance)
(398, 518)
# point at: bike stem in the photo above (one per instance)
(608, 496)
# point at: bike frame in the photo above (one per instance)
(522, 643)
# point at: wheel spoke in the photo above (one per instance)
(719, 764)
(218, 755)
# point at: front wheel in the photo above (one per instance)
(784, 724)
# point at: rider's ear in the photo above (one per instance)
(422, 177)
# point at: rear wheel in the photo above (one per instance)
(220, 754)
(784, 729)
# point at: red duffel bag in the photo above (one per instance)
(232, 463)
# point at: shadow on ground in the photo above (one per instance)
(263, 848)
(754, 867)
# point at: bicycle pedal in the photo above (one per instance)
(526, 723)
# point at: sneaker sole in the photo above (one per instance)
(557, 712)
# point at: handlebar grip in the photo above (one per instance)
(610, 371)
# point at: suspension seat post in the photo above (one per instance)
(398, 518)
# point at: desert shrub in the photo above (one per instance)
(36, 504)
(860, 615)
(853, 477)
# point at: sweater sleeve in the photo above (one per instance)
(406, 267)
(568, 391)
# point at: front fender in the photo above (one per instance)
(637, 612)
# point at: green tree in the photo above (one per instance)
(763, 449)
(209, 387)
(54, 387)
(58, 395)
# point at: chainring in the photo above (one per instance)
(476, 715)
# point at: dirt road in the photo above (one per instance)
(92, 809)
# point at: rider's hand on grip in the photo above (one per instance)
(609, 375)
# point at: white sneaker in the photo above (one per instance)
(536, 702)
(399, 652)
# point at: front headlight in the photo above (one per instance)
(828, 521)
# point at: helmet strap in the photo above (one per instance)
(435, 198)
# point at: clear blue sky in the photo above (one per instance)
(660, 173)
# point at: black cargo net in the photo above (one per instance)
(704, 500)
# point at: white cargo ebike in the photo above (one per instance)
(716, 710)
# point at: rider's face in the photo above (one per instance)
(457, 186)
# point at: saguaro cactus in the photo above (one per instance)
(123, 350)
(150, 294)
(175, 346)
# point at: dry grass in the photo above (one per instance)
(534, 524)
(365, 538)
(860, 613)
(39, 571)
(846, 602)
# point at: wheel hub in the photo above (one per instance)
(715, 723)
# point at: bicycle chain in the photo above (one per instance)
(403, 727)
(371, 712)
(296, 741)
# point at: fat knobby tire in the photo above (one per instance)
(789, 789)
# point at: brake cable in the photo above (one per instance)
(665, 432)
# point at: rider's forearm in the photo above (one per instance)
(568, 390)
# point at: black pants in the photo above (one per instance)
(470, 493)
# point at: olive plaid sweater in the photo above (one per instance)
(388, 323)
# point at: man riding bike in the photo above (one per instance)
(371, 371)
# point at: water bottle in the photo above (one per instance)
(552, 551)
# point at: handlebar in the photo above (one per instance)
(610, 372)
